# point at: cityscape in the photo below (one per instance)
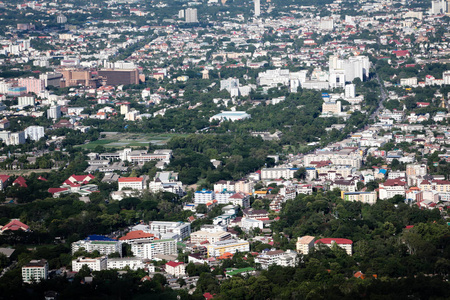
(224, 149)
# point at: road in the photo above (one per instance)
(383, 98)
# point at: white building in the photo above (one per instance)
(212, 237)
(167, 182)
(232, 246)
(134, 263)
(276, 173)
(180, 229)
(133, 183)
(94, 264)
(176, 269)
(350, 91)
(257, 8)
(102, 244)
(277, 257)
(391, 188)
(230, 116)
(191, 15)
(54, 112)
(35, 271)
(34, 133)
(248, 224)
(148, 249)
(26, 100)
(345, 244)
(203, 196)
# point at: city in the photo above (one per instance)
(230, 149)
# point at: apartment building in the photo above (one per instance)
(212, 237)
(183, 230)
(102, 244)
(35, 271)
(148, 249)
(364, 197)
(134, 263)
(94, 264)
(345, 244)
(231, 245)
(305, 244)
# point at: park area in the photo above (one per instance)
(122, 140)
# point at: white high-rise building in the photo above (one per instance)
(26, 100)
(327, 24)
(61, 19)
(257, 8)
(54, 112)
(35, 133)
(35, 271)
(446, 77)
(191, 15)
(350, 91)
(438, 7)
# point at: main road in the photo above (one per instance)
(383, 96)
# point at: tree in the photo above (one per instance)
(300, 174)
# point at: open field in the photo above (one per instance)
(122, 140)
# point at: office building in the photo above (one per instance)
(119, 76)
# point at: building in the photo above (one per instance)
(120, 76)
(35, 271)
(391, 188)
(334, 108)
(364, 197)
(26, 100)
(277, 257)
(329, 242)
(203, 196)
(167, 182)
(240, 199)
(148, 249)
(350, 91)
(230, 116)
(14, 225)
(179, 230)
(257, 8)
(176, 269)
(102, 244)
(74, 77)
(305, 244)
(231, 246)
(33, 85)
(54, 112)
(191, 15)
(34, 133)
(276, 173)
(94, 264)
(131, 183)
(61, 19)
(134, 263)
(12, 138)
(212, 237)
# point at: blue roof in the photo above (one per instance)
(310, 168)
(294, 168)
(383, 171)
(96, 237)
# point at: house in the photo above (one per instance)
(136, 235)
(4, 180)
(14, 225)
(175, 268)
(256, 214)
(240, 199)
(20, 181)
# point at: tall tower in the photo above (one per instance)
(257, 7)
(191, 15)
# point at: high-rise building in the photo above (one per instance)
(35, 133)
(257, 8)
(33, 85)
(61, 19)
(191, 15)
(350, 91)
(54, 112)
(26, 100)
(438, 7)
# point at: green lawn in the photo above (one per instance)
(122, 140)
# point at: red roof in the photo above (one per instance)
(137, 234)
(20, 181)
(208, 296)
(4, 178)
(42, 178)
(56, 190)
(15, 225)
(338, 241)
(173, 264)
(130, 179)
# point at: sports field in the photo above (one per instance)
(122, 140)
